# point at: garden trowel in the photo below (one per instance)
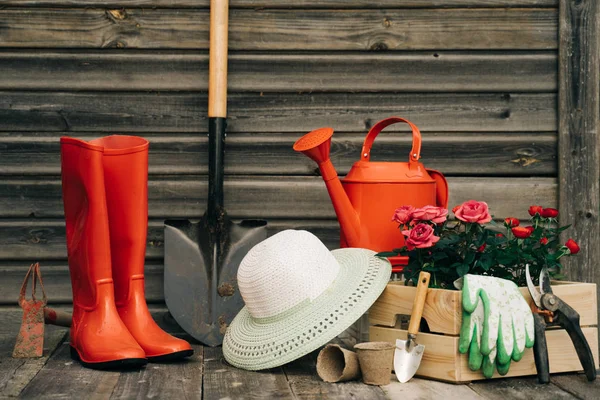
(202, 258)
(408, 354)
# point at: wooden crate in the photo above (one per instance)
(443, 314)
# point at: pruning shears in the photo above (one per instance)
(550, 310)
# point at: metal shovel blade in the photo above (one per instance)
(407, 359)
(200, 275)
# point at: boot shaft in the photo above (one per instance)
(87, 231)
(125, 164)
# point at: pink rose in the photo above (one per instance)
(437, 215)
(473, 211)
(421, 237)
(403, 215)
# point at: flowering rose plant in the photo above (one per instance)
(475, 244)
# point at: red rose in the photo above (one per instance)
(473, 211)
(421, 237)
(522, 232)
(535, 210)
(549, 213)
(455, 208)
(572, 246)
(437, 215)
(403, 215)
(481, 248)
(544, 241)
(511, 221)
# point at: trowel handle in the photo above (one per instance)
(419, 303)
(59, 318)
(415, 152)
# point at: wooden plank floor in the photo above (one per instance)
(207, 376)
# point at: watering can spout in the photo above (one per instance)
(316, 145)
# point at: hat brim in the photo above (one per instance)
(255, 344)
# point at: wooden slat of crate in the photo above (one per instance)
(443, 311)
(442, 361)
(442, 307)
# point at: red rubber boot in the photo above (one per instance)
(99, 339)
(126, 177)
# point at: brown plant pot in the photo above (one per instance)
(335, 364)
(376, 360)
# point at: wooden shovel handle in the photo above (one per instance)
(217, 67)
(419, 303)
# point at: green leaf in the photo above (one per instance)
(386, 254)
(507, 258)
(469, 258)
(462, 270)
(486, 262)
(482, 238)
(448, 240)
(563, 228)
(439, 255)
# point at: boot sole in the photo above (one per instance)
(171, 357)
(126, 363)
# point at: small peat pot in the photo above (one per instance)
(335, 364)
(375, 360)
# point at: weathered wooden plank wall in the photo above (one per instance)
(579, 132)
(479, 78)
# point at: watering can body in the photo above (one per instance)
(365, 200)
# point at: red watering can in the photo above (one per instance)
(365, 200)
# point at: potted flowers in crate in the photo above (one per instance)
(473, 243)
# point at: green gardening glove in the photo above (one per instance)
(497, 323)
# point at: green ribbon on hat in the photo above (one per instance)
(497, 324)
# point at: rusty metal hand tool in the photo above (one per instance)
(30, 340)
(550, 310)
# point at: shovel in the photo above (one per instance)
(202, 258)
(408, 354)
(30, 340)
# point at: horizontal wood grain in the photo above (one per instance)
(142, 112)
(491, 154)
(442, 361)
(443, 308)
(16, 373)
(153, 70)
(265, 197)
(57, 282)
(286, 4)
(269, 197)
(264, 29)
(44, 240)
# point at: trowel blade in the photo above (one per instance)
(407, 361)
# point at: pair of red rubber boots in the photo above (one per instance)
(105, 195)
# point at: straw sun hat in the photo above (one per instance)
(298, 297)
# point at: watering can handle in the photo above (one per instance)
(415, 152)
